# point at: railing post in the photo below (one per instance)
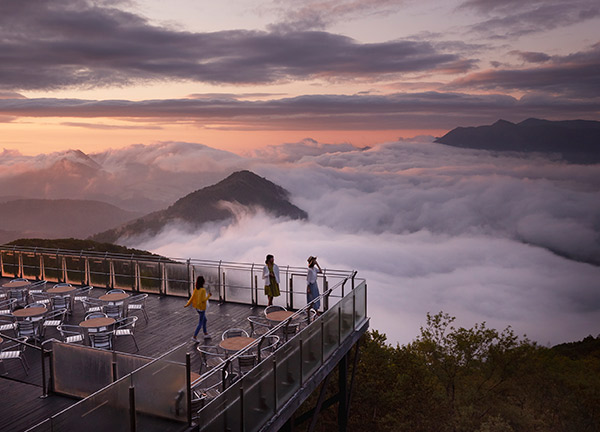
(132, 419)
(188, 383)
(44, 385)
(242, 419)
(291, 294)
(275, 382)
(224, 288)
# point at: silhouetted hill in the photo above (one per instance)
(577, 141)
(80, 245)
(206, 205)
(41, 218)
(587, 347)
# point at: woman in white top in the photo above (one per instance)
(271, 278)
(312, 288)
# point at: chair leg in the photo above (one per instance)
(134, 341)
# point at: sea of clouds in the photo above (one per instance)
(479, 235)
(508, 239)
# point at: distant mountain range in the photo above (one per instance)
(207, 205)
(40, 218)
(577, 141)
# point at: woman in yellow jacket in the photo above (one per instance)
(198, 301)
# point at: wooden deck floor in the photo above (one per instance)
(169, 325)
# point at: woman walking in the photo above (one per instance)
(312, 288)
(199, 301)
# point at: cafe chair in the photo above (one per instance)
(27, 329)
(62, 284)
(268, 345)
(102, 340)
(7, 306)
(81, 294)
(53, 319)
(115, 290)
(8, 323)
(9, 353)
(210, 356)
(273, 308)
(126, 327)
(95, 315)
(113, 311)
(20, 295)
(138, 303)
(37, 287)
(246, 362)
(61, 302)
(289, 330)
(92, 305)
(42, 298)
(259, 325)
(234, 332)
(70, 333)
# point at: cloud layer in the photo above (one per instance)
(432, 228)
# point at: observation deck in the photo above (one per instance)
(166, 385)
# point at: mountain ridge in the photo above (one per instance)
(576, 141)
(205, 205)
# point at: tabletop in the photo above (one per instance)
(114, 297)
(236, 343)
(61, 289)
(30, 312)
(279, 315)
(97, 322)
(16, 284)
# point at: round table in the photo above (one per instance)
(114, 297)
(236, 343)
(97, 322)
(61, 289)
(30, 312)
(16, 284)
(279, 315)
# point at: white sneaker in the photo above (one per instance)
(195, 340)
(207, 336)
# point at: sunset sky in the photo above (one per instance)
(243, 74)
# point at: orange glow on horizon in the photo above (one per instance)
(52, 135)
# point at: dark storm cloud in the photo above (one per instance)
(511, 18)
(575, 75)
(54, 44)
(314, 112)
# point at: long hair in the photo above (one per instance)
(200, 282)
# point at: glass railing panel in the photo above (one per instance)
(238, 283)
(331, 330)
(10, 264)
(31, 266)
(106, 410)
(347, 310)
(360, 296)
(178, 275)
(150, 277)
(311, 349)
(75, 270)
(124, 274)
(259, 396)
(161, 389)
(99, 272)
(288, 373)
(79, 370)
(52, 271)
(127, 363)
(224, 413)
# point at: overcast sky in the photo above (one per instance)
(242, 74)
